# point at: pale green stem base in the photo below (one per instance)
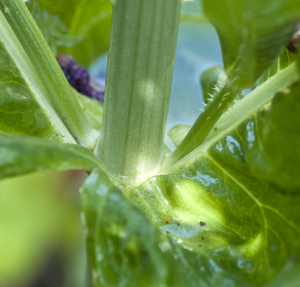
(140, 69)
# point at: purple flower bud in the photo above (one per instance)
(79, 78)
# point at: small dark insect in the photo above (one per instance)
(202, 238)
(168, 232)
(202, 223)
(294, 43)
(178, 224)
(79, 78)
(168, 222)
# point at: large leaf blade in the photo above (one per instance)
(244, 187)
(126, 250)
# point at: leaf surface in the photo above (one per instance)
(23, 154)
(126, 250)
(24, 108)
(238, 196)
(88, 25)
(230, 210)
(252, 34)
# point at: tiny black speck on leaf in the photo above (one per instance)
(167, 231)
(202, 223)
(199, 245)
(178, 224)
(202, 238)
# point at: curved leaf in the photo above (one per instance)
(209, 79)
(126, 250)
(238, 197)
(88, 24)
(23, 154)
(177, 133)
(252, 34)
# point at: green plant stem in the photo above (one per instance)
(203, 125)
(193, 18)
(240, 112)
(11, 44)
(60, 95)
(138, 84)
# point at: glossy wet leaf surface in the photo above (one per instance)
(223, 220)
(251, 216)
(125, 249)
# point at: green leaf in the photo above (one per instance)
(289, 275)
(282, 74)
(298, 59)
(177, 133)
(209, 80)
(23, 107)
(213, 81)
(126, 250)
(54, 30)
(88, 25)
(21, 36)
(252, 34)
(243, 184)
(209, 124)
(285, 60)
(23, 154)
(93, 110)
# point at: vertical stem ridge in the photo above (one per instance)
(139, 77)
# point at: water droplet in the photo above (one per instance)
(6, 10)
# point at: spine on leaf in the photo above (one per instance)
(138, 84)
(60, 94)
(203, 125)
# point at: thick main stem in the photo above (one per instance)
(138, 85)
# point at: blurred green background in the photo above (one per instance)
(41, 237)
